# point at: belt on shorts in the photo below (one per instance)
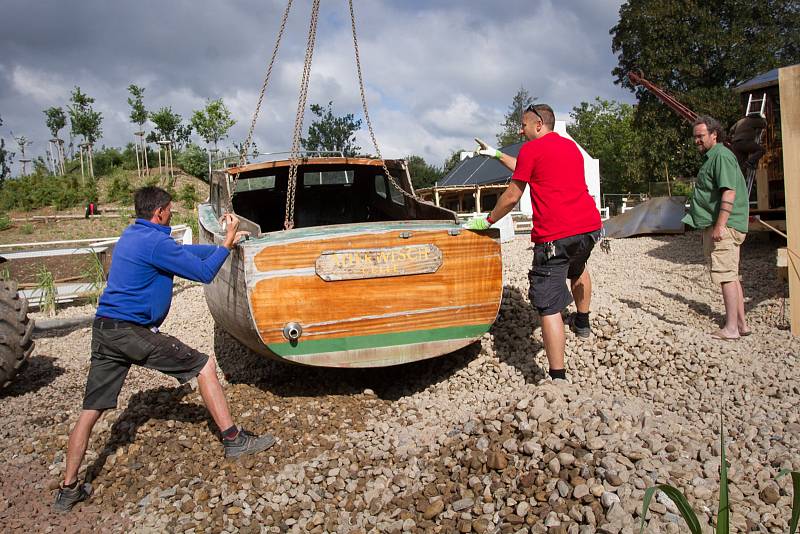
(104, 323)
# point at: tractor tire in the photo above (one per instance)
(16, 333)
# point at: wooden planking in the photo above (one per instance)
(303, 254)
(789, 86)
(466, 290)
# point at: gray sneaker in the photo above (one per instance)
(66, 498)
(580, 331)
(247, 443)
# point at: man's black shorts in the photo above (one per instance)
(116, 345)
(548, 277)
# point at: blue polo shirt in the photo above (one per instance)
(143, 265)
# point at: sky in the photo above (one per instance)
(437, 73)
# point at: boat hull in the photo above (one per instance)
(363, 295)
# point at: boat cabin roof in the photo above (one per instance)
(311, 161)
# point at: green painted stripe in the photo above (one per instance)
(315, 346)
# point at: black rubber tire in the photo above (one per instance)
(16, 333)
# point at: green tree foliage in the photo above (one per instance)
(329, 132)
(136, 101)
(605, 129)
(422, 174)
(451, 162)
(513, 120)
(56, 120)
(213, 122)
(84, 120)
(168, 126)
(193, 160)
(698, 52)
(5, 160)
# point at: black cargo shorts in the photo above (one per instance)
(116, 345)
(553, 263)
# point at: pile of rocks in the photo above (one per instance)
(477, 441)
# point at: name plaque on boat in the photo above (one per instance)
(354, 264)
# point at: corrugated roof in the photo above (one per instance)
(766, 79)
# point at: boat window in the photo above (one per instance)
(255, 183)
(344, 177)
(397, 195)
(380, 185)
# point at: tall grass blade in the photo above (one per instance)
(795, 498)
(723, 514)
(680, 501)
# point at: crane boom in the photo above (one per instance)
(637, 78)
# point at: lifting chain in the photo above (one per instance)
(246, 145)
(364, 106)
(288, 222)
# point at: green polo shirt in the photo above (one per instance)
(719, 171)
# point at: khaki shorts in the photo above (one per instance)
(723, 256)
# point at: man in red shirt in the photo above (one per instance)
(566, 226)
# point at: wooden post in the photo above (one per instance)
(762, 188)
(789, 87)
(436, 195)
(83, 179)
(477, 199)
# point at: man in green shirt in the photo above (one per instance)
(719, 206)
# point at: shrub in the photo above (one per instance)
(5, 221)
(188, 196)
(26, 228)
(42, 189)
(193, 160)
(120, 189)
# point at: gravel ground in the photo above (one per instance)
(477, 441)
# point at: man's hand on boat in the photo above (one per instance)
(233, 236)
(479, 222)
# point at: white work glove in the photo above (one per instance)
(477, 223)
(486, 150)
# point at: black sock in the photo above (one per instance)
(230, 434)
(582, 319)
(558, 373)
(71, 486)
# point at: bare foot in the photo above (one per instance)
(724, 335)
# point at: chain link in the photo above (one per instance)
(364, 106)
(246, 146)
(288, 222)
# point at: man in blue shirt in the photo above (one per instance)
(125, 330)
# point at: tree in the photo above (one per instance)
(5, 160)
(451, 162)
(605, 129)
(56, 120)
(84, 120)
(139, 116)
(331, 133)
(136, 101)
(698, 52)
(168, 126)
(213, 122)
(513, 120)
(422, 174)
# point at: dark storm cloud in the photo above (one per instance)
(437, 73)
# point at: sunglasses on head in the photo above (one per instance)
(532, 109)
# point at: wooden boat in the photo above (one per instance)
(368, 277)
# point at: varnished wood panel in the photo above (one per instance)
(466, 290)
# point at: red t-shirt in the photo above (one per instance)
(562, 206)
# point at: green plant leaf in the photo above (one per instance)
(795, 498)
(680, 501)
(723, 514)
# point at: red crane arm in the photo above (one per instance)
(665, 97)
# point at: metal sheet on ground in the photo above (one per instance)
(659, 215)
